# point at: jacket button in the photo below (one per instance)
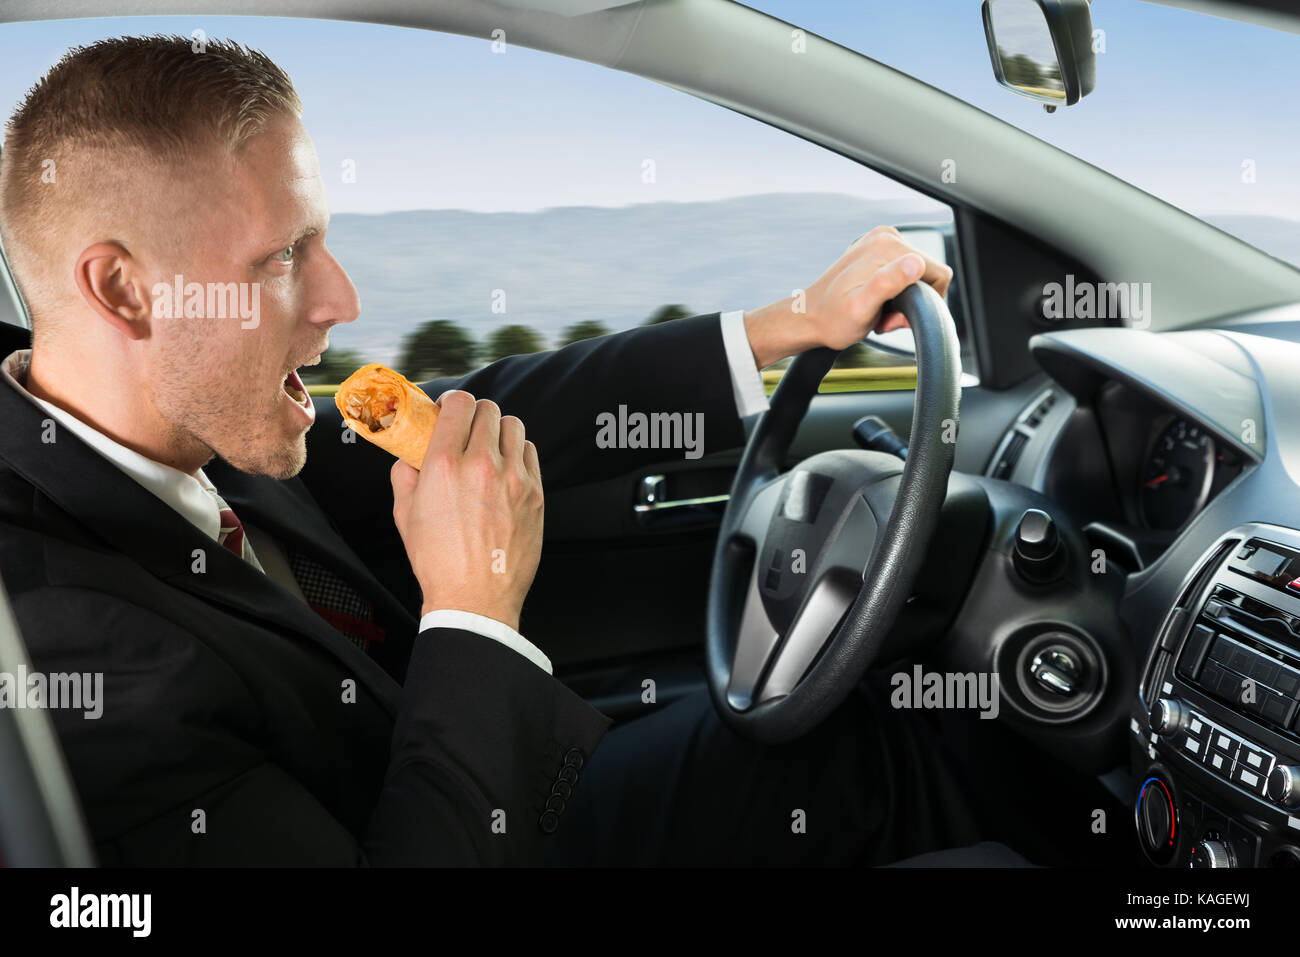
(568, 774)
(555, 803)
(563, 789)
(574, 757)
(548, 822)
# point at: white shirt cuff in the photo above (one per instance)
(488, 628)
(746, 380)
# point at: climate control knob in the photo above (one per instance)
(1157, 819)
(1284, 786)
(1167, 716)
(1210, 853)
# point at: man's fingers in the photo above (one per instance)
(404, 478)
(877, 231)
(455, 415)
(531, 463)
(485, 432)
(890, 242)
(888, 281)
(895, 320)
(937, 275)
(868, 298)
(512, 438)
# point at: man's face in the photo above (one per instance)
(220, 383)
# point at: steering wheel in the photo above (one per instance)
(812, 566)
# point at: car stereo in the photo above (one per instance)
(1217, 727)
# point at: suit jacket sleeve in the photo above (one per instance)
(487, 752)
(481, 737)
(677, 366)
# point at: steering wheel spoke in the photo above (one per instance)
(757, 510)
(768, 665)
(814, 626)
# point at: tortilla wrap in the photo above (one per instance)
(385, 408)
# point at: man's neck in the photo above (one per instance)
(47, 381)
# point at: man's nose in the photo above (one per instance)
(338, 300)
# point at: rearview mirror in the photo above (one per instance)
(1042, 49)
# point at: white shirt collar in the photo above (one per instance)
(192, 497)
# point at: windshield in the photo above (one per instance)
(1191, 108)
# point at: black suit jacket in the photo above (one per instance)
(238, 726)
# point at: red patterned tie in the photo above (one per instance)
(232, 532)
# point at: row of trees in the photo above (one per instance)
(443, 348)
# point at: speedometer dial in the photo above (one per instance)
(1176, 478)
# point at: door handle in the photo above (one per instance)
(653, 507)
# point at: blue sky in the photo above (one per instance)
(436, 121)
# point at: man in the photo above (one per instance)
(267, 698)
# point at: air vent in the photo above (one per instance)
(1013, 443)
(1179, 620)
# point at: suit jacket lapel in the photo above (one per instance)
(133, 521)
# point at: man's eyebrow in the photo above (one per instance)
(307, 232)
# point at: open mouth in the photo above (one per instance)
(293, 386)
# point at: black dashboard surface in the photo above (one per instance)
(1127, 389)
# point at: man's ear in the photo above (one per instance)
(109, 280)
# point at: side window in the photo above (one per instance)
(491, 200)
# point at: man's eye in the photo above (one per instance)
(285, 255)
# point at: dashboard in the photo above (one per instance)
(1162, 465)
(1136, 435)
(1177, 454)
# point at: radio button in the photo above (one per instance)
(1287, 680)
(1254, 760)
(1272, 707)
(1249, 779)
(1219, 763)
(1264, 671)
(1212, 677)
(1232, 687)
(1240, 660)
(1198, 642)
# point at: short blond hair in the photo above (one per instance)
(106, 109)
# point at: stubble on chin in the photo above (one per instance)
(280, 461)
(221, 426)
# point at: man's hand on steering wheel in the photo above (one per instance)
(845, 302)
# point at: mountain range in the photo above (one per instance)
(617, 265)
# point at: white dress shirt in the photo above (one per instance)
(192, 495)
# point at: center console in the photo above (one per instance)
(1216, 729)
